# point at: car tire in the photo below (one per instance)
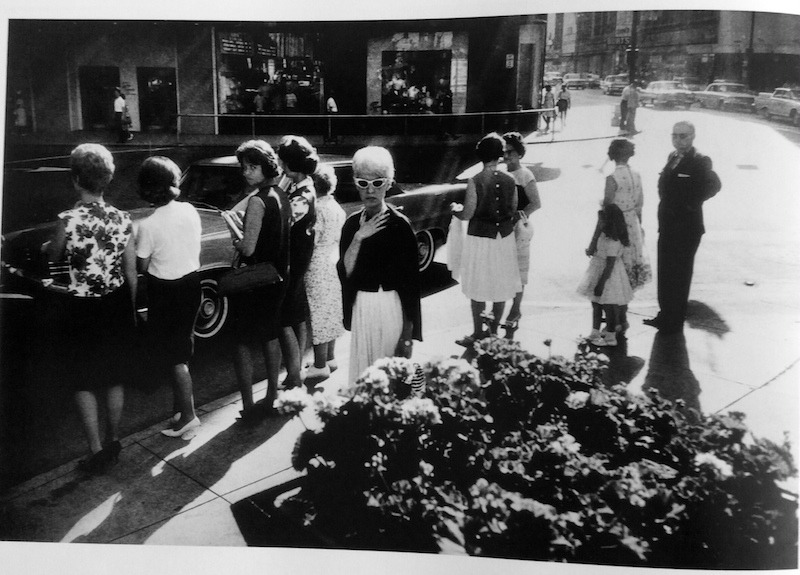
(720, 105)
(794, 118)
(213, 313)
(764, 113)
(426, 249)
(702, 103)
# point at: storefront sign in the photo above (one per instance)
(509, 60)
(235, 43)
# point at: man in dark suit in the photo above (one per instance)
(685, 183)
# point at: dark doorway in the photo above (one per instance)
(97, 95)
(525, 82)
(158, 107)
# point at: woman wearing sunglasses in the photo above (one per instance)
(378, 269)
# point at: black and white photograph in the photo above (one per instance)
(349, 287)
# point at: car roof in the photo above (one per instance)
(231, 161)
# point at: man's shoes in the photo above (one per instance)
(653, 322)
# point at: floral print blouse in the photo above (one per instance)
(96, 238)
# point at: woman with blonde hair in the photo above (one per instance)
(96, 240)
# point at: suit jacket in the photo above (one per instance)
(682, 191)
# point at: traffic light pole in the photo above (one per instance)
(633, 49)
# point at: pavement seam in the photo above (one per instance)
(762, 386)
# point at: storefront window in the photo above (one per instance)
(257, 75)
(416, 82)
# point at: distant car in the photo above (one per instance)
(727, 95)
(783, 103)
(668, 93)
(615, 83)
(593, 80)
(552, 78)
(691, 83)
(575, 81)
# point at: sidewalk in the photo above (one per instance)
(742, 357)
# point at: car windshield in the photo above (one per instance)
(732, 88)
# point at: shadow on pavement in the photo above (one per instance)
(670, 374)
(702, 317)
(622, 368)
(134, 498)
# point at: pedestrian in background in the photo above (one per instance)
(548, 103)
(563, 103)
(265, 238)
(298, 159)
(489, 267)
(168, 253)
(322, 283)
(121, 117)
(96, 241)
(378, 268)
(685, 183)
(605, 282)
(628, 105)
(528, 201)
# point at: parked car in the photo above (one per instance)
(593, 80)
(213, 185)
(217, 182)
(552, 78)
(576, 81)
(691, 83)
(781, 103)
(726, 95)
(667, 93)
(615, 84)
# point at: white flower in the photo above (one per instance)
(723, 468)
(292, 401)
(375, 379)
(577, 399)
(565, 444)
(418, 410)
(328, 405)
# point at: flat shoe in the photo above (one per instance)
(193, 424)
(318, 372)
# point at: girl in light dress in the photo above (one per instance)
(605, 282)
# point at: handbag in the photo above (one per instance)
(246, 278)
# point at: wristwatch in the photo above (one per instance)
(406, 342)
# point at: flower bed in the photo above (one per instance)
(517, 456)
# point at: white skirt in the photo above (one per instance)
(376, 328)
(489, 268)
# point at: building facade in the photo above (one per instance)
(206, 75)
(759, 49)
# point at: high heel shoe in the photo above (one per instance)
(193, 424)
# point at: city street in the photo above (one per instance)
(739, 352)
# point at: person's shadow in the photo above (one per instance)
(622, 368)
(702, 317)
(671, 376)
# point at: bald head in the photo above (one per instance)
(683, 136)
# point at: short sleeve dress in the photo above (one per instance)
(628, 197)
(617, 290)
(323, 288)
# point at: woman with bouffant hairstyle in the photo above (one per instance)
(168, 253)
(298, 159)
(256, 314)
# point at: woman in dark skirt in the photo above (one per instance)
(256, 314)
(96, 240)
(168, 252)
(298, 159)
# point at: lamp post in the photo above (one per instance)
(633, 49)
